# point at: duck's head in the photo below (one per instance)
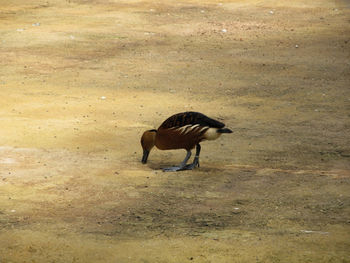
(148, 140)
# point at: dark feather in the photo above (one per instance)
(193, 118)
(224, 130)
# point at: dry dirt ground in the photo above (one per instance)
(81, 80)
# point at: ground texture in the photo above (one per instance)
(81, 80)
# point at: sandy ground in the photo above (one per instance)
(81, 80)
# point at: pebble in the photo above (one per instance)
(224, 30)
(271, 12)
(103, 98)
(36, 24)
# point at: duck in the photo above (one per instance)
(185, 130)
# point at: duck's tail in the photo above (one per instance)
(224, 130)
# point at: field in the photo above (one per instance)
(81, 80)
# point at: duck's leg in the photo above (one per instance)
(182, 165)
(195, 160)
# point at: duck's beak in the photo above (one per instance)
(145, 156)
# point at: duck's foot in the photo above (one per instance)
(173, 169)
(182, 168)
(192, 165)
(182, 165)
(179, 168)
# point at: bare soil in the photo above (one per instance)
(81, 80)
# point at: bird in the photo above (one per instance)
(183, 130)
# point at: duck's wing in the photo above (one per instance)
(190, 119)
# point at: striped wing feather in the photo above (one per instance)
(190, 118)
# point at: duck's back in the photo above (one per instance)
(190, 118)
(184, 130)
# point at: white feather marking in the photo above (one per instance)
(183, 128)
(203, 128)
(211, 134)
(191, 128)
(187, 130)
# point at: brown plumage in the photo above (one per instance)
(182, 131)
